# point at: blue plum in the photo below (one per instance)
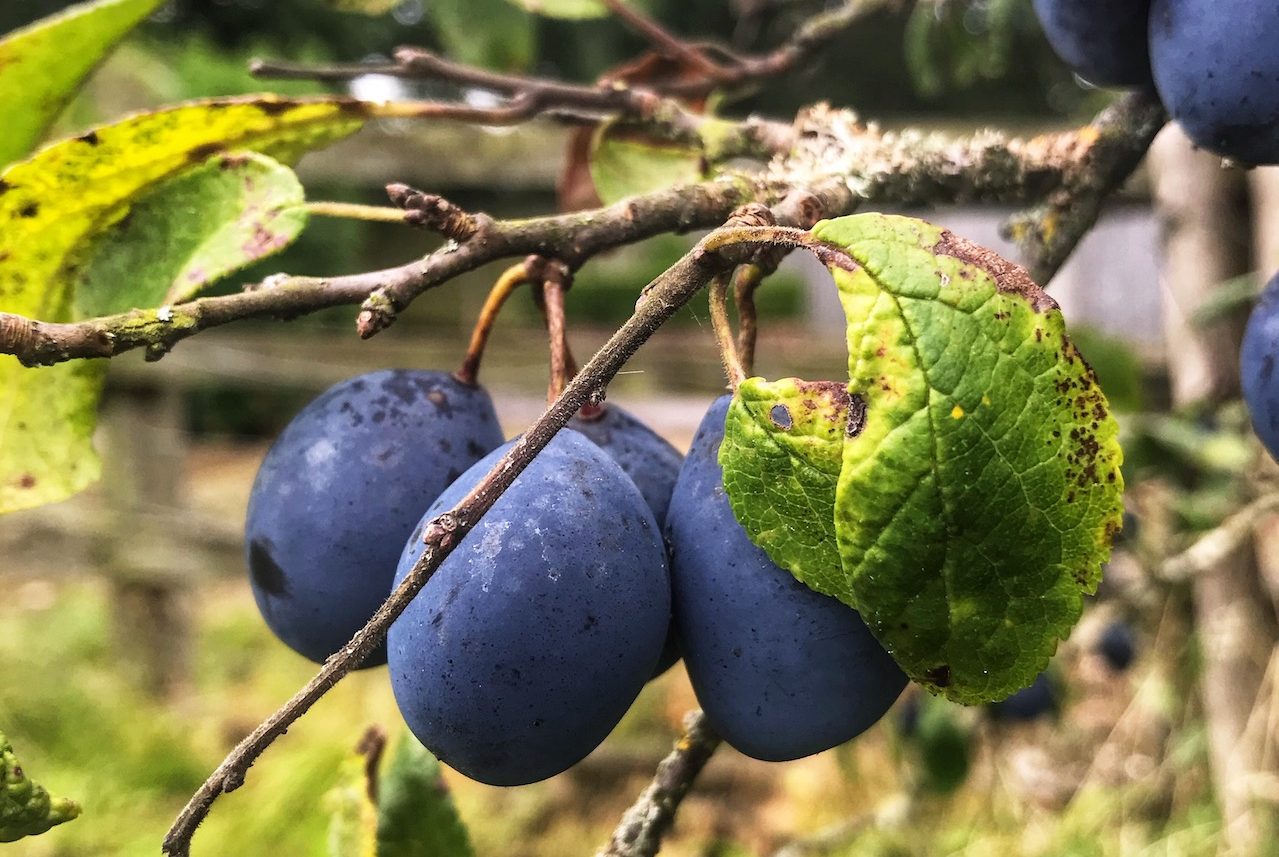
(1216, 67)
(781, 671)
(1103, 41)
(1258, 355)
(1117, 645)
(535, 635)
(647, 457)
(1029, 703)
(340, 490)
(651, 462)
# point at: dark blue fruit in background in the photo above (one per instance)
(1216, 66)
(651, 462)
(1029, 703)
(781, 671)
(1103, 41)
(1258, 356)
(1117, 645)
(341, 489)
(535, 635)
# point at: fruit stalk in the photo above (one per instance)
(510, 279)
(724, 331)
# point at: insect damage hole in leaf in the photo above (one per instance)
(963, 493)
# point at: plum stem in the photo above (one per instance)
(563, 367)
(746, 280)
(510, 280)
(718, 300)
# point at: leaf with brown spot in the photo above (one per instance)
(975, 504)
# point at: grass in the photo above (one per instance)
(86, 732)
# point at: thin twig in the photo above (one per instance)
(666, 43)
(658, 302)
(574, 236)
(1212, 547)
(640, 832)
(580, 101)
(746, 279)
(555, 282)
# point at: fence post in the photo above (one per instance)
(143, 462)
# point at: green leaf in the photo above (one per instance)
(784, 445)
(69, 195)
(508, 39)
(26, 809)
(191, 231)
(979, 483)
(416, 815)
(626, 161)
(564, 8)
(42, 65)
(942, 744)
(364, 7)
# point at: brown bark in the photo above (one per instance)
(1206, 239)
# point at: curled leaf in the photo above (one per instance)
(190, 231)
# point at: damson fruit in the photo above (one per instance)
(1117, 645)
(1103, 41)
(1029, 703)
(341, 489)
(651, 462)
(781, 671)
(1216, 66)
(1257, 359)
(537, 632)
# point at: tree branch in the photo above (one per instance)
(853, 163)
(640, 832)
(1214, 546)
(1111, 147)
(571, 237)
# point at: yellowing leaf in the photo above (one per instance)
(42, 65)
(68, 195)
(562, 8)
(190, 231)
(364, 7)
